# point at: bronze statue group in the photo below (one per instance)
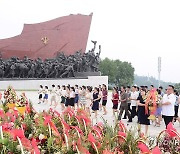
(61, 66)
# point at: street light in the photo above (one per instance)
(159, 69)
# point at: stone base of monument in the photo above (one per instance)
(33, 84)
(85, 74)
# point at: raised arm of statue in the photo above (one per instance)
(99, 50)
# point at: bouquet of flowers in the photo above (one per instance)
(10, 97)
(151, 103)
(23, 101)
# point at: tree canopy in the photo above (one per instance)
(119, 73)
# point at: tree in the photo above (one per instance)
(119, 73)
(107, 67)
(177, 87)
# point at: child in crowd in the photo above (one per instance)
(53, 96)
(40, 92)
(63, 97)
(45, 91)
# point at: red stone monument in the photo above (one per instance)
(66, 34)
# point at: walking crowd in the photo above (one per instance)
(128, 100)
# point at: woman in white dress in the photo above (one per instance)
(89, 98)
(53, 96)
(83, 97)
(58, 93)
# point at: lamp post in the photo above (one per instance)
(159, 70)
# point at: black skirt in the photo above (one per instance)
(63, 100)
(40, 96)
(104, 102)
(71, 102)
(67, 101)
(142, 117)
(95, 106)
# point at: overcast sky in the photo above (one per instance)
(137, 31)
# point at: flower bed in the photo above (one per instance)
(72, 132)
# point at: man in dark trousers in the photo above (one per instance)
(168, 103)
(128, 101)
(124, 104)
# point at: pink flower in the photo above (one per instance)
(1, 113)
(107, 152)
(78, 129)
(26, 143)
(156, 150)
(54, 128)
(122, 134)
(34, 144)
(98, 131)
(17, 133)
(47, 119)
(91, 138)
(145, 150)
(171, 130)
(122, 126)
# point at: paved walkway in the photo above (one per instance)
(153, 131)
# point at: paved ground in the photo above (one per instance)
(153, 131)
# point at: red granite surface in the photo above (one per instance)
(68, 34)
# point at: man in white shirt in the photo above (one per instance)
(168, 103)
(133, 98)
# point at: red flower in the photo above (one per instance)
(69, 111)
(78, 129)
(122, 134)
(28, 109)
(26, 143)
(144, 149)
(1, 113)
(34, 144)
(122, 126)
(156, 150)
(98, 145)
(81, 148)
(53, 127)
(85, 118)
(47, 119)
(98, 131)
(91, 138)
(66, 126)
(171, 130)
(56, 112)
(17, 133)
(7, 126)
(107, 152)
(24, 126)
(8, 114)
